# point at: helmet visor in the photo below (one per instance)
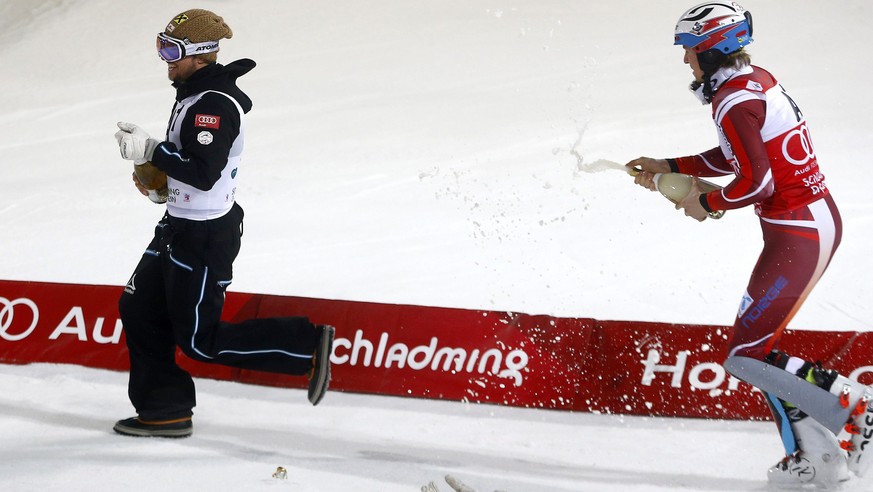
(687, 40)
(725, 39)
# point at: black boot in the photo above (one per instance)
(137, 427)
(319, 376)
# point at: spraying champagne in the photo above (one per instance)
(674, 186)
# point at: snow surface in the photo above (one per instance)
(422, 153)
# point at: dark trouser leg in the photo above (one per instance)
(158, 388)
(196, 277)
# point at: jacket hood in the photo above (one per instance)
(218, 77)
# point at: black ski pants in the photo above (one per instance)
(174, 299)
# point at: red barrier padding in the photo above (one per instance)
(483, 356)
(69, 324)
(479, 356)
(668, 370)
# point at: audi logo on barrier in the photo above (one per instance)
(7, 317)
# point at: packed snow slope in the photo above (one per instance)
(56, 425)
(429, 152)
(412, 152)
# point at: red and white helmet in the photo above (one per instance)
(721, 26)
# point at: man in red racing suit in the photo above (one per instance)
(765, 144)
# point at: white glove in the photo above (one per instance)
(135, 143)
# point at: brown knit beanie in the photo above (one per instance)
(198, 26)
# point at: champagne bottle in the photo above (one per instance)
(152, 179)
(676, 186)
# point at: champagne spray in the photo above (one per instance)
(674, 186)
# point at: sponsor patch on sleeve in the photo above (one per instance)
(205, 137)
(207, 121)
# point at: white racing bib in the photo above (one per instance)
(187, 202)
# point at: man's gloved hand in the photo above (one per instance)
(135, 143)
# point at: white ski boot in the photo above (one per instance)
(860, 426)
(820, 461)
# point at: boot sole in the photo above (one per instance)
(321, 377)
(137, 432)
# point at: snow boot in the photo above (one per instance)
(319, 376)
(137, 427)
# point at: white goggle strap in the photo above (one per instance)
(199, 48)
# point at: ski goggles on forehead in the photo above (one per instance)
(172, 50)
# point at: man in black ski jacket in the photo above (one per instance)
(176, 293)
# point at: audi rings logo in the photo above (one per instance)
(207, 121)
(797, 146)
(9, 330)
